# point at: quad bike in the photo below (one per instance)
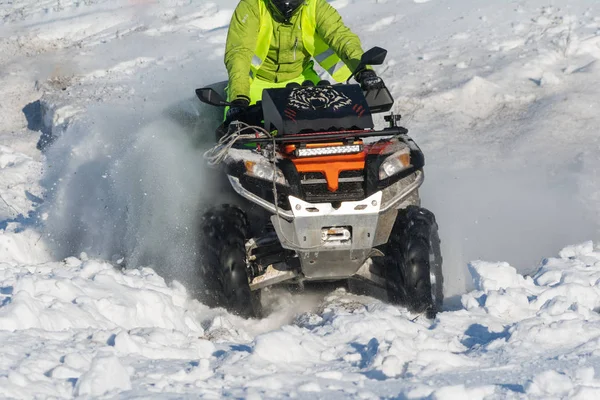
(326, 197)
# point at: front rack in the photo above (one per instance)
(327, 136)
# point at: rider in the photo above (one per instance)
(271, 43)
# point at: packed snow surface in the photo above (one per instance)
(102, 180)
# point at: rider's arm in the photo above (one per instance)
(337, 35)
(240, 47)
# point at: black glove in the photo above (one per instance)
(237, 108)
(369, 80)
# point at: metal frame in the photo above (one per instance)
(242, 191)
(289, 215)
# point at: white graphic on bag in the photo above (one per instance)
(317, 98)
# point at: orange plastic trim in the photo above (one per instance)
(331, 166)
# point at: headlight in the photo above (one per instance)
(265, 171)
(394, 164)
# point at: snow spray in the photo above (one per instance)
(128, 184)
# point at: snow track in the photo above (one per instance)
(100, 165)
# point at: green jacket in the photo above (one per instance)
(287, 56)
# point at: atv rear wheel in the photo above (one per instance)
(223, 269)
(413, 262)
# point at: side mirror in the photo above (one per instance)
(210, 96)
(374, 56)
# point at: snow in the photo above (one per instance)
(106, 374)
(102, 179)
(81, 327)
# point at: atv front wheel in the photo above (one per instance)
(223, 269)
(413, 262)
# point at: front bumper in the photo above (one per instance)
(334, 242)
(390, 202)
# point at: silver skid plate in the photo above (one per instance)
(333, 243)
(322, 227)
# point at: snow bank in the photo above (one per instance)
(101, 331)
(79, 294)
(119, 314)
